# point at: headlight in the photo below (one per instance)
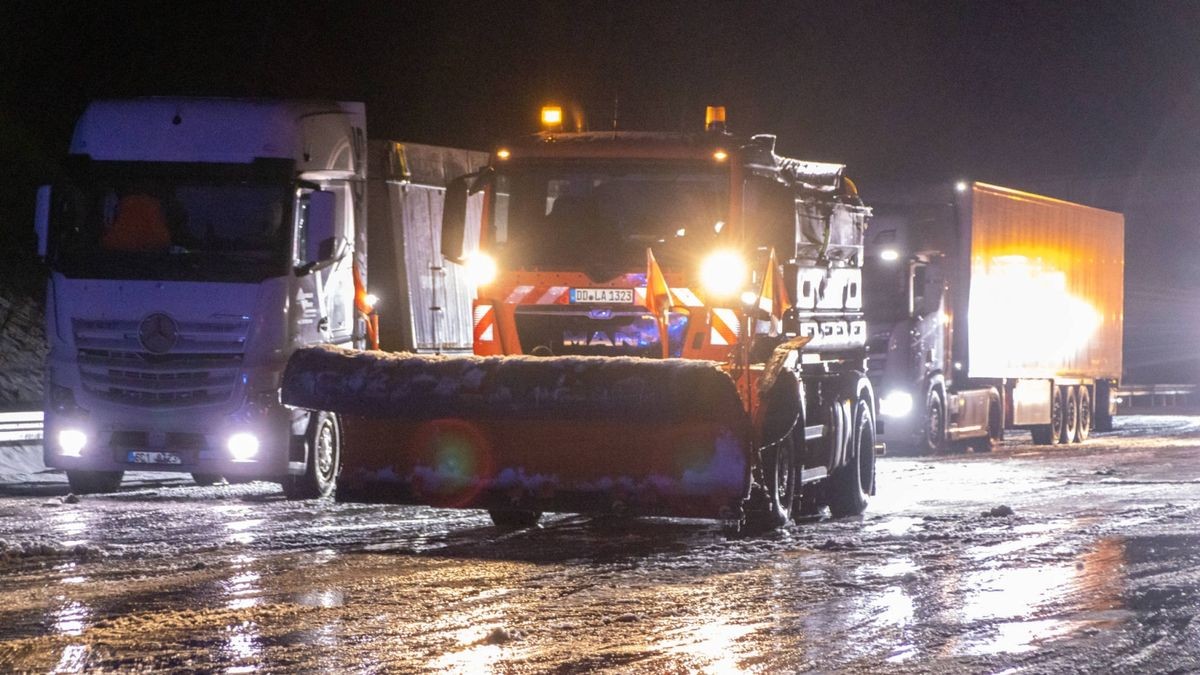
(481, 268)
(896, 404)
(71, 442)
(243, 446)
(723, 274)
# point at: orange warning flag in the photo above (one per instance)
(658, 299)
(773, 298)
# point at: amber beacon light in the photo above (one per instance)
(552, 117)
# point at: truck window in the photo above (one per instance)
(607, 213)
(158, 221)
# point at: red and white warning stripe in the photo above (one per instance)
(724, 327)
(485, 323)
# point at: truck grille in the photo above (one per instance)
(201, 368)
(596, 332)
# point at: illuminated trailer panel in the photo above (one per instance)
(1046, 292)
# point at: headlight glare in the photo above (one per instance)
(243, 446)
(481, 268)
(896, 404)
(723, 274)
(71, 442)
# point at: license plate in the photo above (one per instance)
(614, 296)
(143, 457)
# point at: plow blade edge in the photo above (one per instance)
(577, 434)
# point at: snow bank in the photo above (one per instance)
(420, 387)
(18, 462)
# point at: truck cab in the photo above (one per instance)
(192, 245)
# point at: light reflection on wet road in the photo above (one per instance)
(1098, 567)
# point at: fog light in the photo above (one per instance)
(243, 446)
(896, 404)
(71, 442)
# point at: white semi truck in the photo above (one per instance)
(192, 246)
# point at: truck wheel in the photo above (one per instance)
(778, 500)
(1070, 414)
(93, 482)
(851, 483)
(933, 436)
(1084, 428)
(324, 444)
(514, 519)
(1050, 434)
(206, 479)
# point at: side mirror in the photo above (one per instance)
(322, 241)
(454, 218)
(41, 219)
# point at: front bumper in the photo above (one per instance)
(176, 442)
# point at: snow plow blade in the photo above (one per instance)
(575, 434)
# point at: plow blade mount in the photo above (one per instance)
(575, 434)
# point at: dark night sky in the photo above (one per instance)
(1000, 91)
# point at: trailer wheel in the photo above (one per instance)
(1084, 429)
(851, 483)
(1070, 414)
(94, 482)
(1050, 434)
(514, 519)
(323, 459)
(933, 434)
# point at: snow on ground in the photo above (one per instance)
(1031, 559)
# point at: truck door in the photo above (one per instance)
(322, 301)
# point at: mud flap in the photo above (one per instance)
(578, 434)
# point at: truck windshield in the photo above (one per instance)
(602, 216)
(152, 221)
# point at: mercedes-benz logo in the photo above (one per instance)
(158, 333)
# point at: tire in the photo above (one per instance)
(779, 478)
(94, 482)
(851, 484)
(206, 479)
(1051, 434)
(1070, 414)
(933, 433)
(514, 519)
(323, 442)
(1086, 415)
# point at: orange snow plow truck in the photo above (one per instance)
(665, 324)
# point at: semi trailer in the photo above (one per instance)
(989, 309)
(195, 243)
(664, 324)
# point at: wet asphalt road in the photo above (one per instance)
(1096, 569)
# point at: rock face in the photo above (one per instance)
(22, 346)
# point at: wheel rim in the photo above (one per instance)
(866, 453)
(1071, 417)
(782, 472)
(1085, 412)
(325, 450)
(1056, 416)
